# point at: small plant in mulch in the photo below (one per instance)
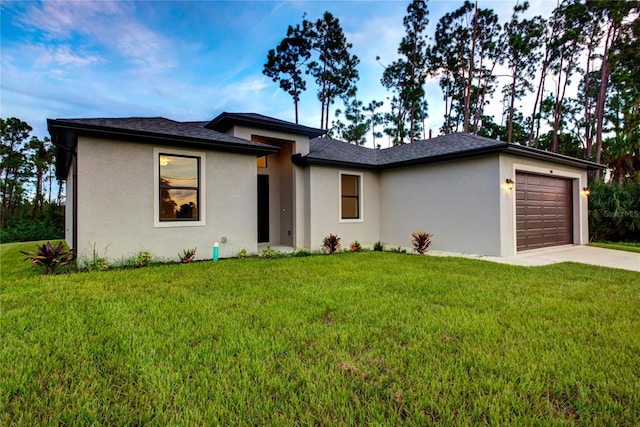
(95, 261)
(50, 257)
(378, 246)
(331, 244)
(421, 241)
(355, 246)
(187, 255)
(243, 254)
(143, 259)
(269, 253)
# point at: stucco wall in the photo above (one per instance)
(116, 203)
(301, 142)
(286, 209)
(509, 165)
(324, 211)
(457, 201)
(68, 205)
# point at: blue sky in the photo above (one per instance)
(184, 60)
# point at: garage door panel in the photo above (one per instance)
(534, 196)
(535, 180)
(534, 224)
(534, 209)
(543, 211)
(549, 211)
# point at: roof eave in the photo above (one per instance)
(534, 153)
(225, 121)
(158, 138)
(300, 160)
(443, 157)
(518, 150)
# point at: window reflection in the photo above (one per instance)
(179, 187)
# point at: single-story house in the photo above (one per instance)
(245, 180)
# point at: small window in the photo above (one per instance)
(262, 162)
(179, 187)
(350, 197)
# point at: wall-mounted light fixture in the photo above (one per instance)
(586, 191)
(509, 183)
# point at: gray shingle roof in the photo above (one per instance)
(332, 151)
(225, 120)
(325, 151)
(156, 130)
(154, 127)
(450, 144)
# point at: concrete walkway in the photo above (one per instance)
(582, 254)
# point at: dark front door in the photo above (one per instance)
(263, 208)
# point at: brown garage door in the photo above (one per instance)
(543, 211)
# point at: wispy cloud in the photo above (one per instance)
(60, 19)
(48, 56)
(110, 25)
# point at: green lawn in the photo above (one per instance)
(348, 339)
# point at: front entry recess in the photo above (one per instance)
(263, 208)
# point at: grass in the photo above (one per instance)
(620, 246)
(347, 339)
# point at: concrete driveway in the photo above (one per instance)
(583, 254)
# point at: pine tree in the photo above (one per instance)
(522, 39)
(285, 63)
(335, 67)
(407, 75)
(13, 164)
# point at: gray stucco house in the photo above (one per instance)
(245, 180)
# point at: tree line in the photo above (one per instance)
(32, 199)
(473, 55)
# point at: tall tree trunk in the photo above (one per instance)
(588, 123)
(479, 100)
(602, 93)
(295, 99)
(323, 95)
(37, 201)
(588, 140)
(511, 106)
(50, 183)
(6, 190)
(60, 192)
(538, 102)
(326, 116)
(557, 110)
(467, 99)
(446, 112)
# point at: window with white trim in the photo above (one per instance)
(179, 188)
(350, 197)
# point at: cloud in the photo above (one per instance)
(47, 56)
(59, 19)
(108, 25)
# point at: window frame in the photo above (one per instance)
(266, 162)
(360, 196)
(201, 221)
